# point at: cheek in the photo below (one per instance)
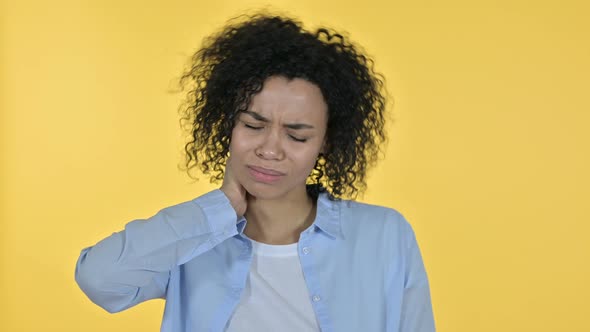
(238, 142)
(305, 159)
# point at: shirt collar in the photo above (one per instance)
(241, 224)
(327, 217)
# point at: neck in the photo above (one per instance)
(279, 221)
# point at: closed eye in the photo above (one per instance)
(249, 126)
(302, 140)
(252, 127)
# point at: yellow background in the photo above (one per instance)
(488, 155)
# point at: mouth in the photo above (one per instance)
(264, 174)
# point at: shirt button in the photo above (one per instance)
(316, 298)
(306, 250)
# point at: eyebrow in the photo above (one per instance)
(294, 126)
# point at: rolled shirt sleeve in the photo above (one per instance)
(133, 265)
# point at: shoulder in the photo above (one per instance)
(360, 219)
(376, 215)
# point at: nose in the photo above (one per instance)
(270, 147)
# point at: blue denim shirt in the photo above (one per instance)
(361, 264)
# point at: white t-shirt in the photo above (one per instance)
(275, 297)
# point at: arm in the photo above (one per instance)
(416, 313)
(133, 265)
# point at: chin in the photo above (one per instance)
(266, 191)
(263, 191)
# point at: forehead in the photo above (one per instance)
(283, 97)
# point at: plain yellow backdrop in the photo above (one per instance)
(488, 155)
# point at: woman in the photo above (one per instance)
(289, 121)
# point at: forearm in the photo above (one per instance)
(133, 265)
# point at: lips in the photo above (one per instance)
(265, 175)
(266, 171)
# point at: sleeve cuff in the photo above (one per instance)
(218, 211)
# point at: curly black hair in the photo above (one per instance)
(232, 65)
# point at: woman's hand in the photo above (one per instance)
(234, 191)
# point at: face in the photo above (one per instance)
(275, 143)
